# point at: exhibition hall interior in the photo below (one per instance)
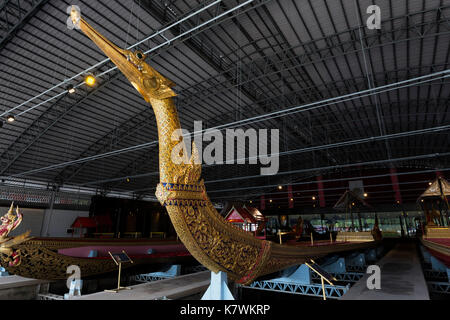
(247, 150)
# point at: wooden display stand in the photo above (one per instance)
(118, 259)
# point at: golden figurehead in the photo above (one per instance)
(10, 222)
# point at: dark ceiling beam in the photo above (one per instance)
(357, 84)
(67, 174)
(141, 167)
(303, 173)
(161, 12)
(130, 169)
(39, 127)
(429, 35)
(313, 54)
(354, 83)
(107, 143)
(208, 92)
(53, 114)
(15, 14)
(301, 133)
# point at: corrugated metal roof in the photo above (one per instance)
(270, 57)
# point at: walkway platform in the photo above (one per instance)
(401, 278)
(19, 288)
(175, 288)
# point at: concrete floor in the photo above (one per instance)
(19, 288)
(175, 288)
(401, 278)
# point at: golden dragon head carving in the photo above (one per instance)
(10, 222)
(147, 81)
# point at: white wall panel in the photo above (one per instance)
(61, 220)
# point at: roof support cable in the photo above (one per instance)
(328, 180)
(442, 75)
(315, 181)
(307, 191)
(107, 60)
(371, 83)
(129, 25)
(311, 170)
(320, 104)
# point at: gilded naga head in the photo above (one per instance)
(9, 216)
(10, 221)
(147, 81)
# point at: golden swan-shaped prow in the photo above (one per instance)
(214, 242)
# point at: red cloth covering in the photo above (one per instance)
(445, 258)
(445, 242)
(153, 255)
(84, 222)
(131, 250)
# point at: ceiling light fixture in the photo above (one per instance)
(10, 118)
(71, 89)
(90, 80)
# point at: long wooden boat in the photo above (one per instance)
(46, 258)
(437, 241)
(214, 242)
(436, 238)
(439, 246)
